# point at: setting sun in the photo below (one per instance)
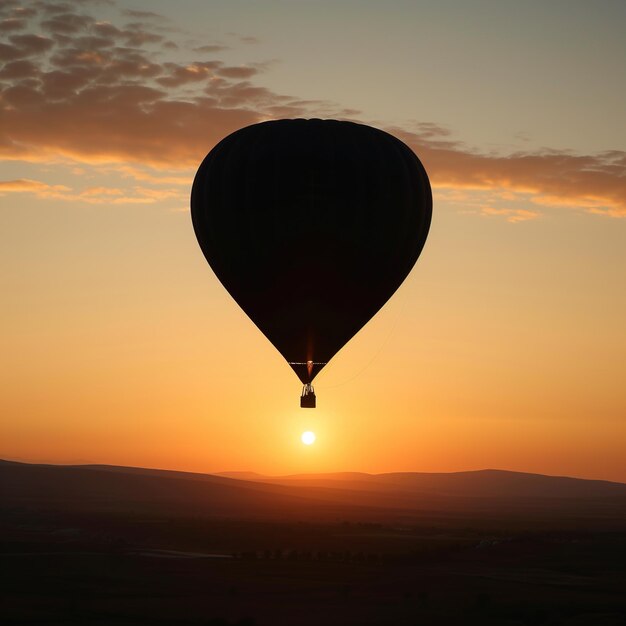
(308, 438)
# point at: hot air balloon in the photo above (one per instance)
(311, 226)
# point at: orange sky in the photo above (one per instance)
(504, 348)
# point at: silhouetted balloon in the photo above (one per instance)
(311, 225)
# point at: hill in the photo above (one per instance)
(481, 483)
(491, 493)
(123, 545)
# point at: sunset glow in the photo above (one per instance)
(504, 347)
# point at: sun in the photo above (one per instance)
(308, 438)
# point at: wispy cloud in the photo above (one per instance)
(92, 195)
(94, 92)
(511, 215)
(21, 185)
(596, 183)
(76, 87)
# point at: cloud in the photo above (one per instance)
(92, 91)
(51, 8)
(18, 70)
(144, 15)
(66, 23)
(159, 178)
(22, 185)
(511, 215)
(136, 37)
(93, 97)
(21, 12)
(11, 24)
(210, 48)
(92, 195)
(177, 74)
(237, 72)
(22, 46)
(596, 183)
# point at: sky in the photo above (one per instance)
(504, 348)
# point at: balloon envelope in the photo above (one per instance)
(311, 225)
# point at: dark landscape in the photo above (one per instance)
(119, 545)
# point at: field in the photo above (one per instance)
(81, 562)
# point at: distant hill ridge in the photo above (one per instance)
(347, 495)
(476, 483)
